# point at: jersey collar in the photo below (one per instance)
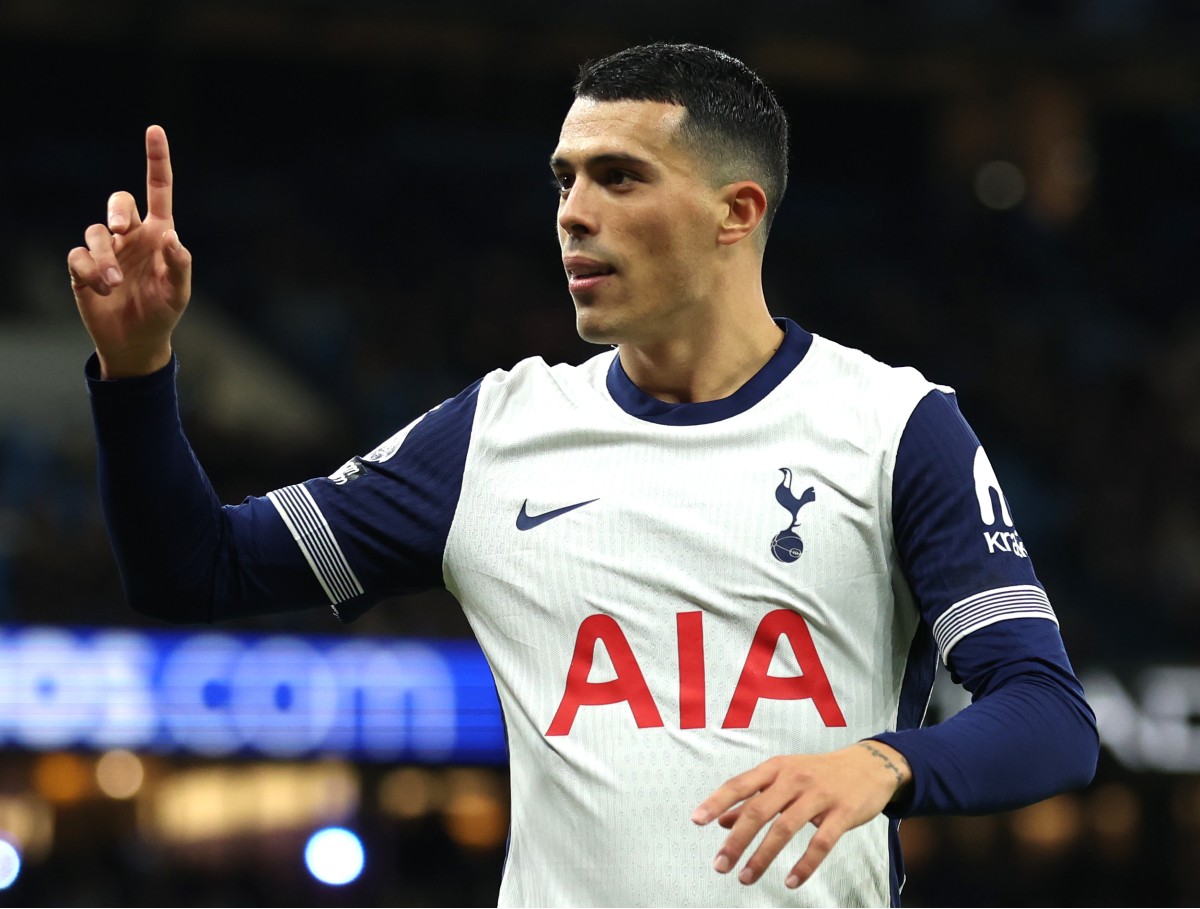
(637, 403)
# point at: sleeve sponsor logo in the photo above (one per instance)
(993, 509)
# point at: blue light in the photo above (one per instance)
(334, 856)
(394, 700)
(10, 864)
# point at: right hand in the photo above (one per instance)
(133, 280)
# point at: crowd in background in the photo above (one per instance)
(390, 254)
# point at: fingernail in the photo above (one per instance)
(792, 882)
(112, 276)
(116, 219)
(721, 864)
(700, 816)
(747, 876)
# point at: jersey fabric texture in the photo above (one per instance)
(669, 595)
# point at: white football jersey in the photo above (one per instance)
(651, 643)
(668, 595)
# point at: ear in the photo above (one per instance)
(743, 207)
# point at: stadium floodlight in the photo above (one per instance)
(10, 864)
(334, 856)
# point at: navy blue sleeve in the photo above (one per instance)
(378, 525)
(1028, 733)
(183, 557)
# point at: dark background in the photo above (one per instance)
(364, 188)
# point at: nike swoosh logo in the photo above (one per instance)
(527, 521)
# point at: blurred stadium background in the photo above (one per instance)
(1004, 194)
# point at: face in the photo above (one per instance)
(637, 221)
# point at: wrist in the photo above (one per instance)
(890, 761)
(132, 365)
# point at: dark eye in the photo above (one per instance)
(562, 182)
(619, 177)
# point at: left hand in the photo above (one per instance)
(835, 792)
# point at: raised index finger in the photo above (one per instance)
(158, 174)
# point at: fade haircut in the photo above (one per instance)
(733, 122)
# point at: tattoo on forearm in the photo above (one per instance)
(887, 762)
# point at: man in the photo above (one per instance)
(726, 547)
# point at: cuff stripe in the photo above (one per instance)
(315, 538)
(1025, 601)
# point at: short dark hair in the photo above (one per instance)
(733, 121)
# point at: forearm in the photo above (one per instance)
(1030, 736)
(182, 557)
(159, 507)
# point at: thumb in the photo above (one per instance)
(178, 261)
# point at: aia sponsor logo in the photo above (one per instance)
(778, 628)
(993, 510)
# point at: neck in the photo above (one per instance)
(716, 353)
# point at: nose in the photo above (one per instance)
(576, 212)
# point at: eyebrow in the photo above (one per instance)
(558, 163)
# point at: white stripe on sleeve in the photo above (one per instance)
(1024, 601)
(315, 538)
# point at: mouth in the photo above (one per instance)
(584, 274)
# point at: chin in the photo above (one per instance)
(595, 329)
